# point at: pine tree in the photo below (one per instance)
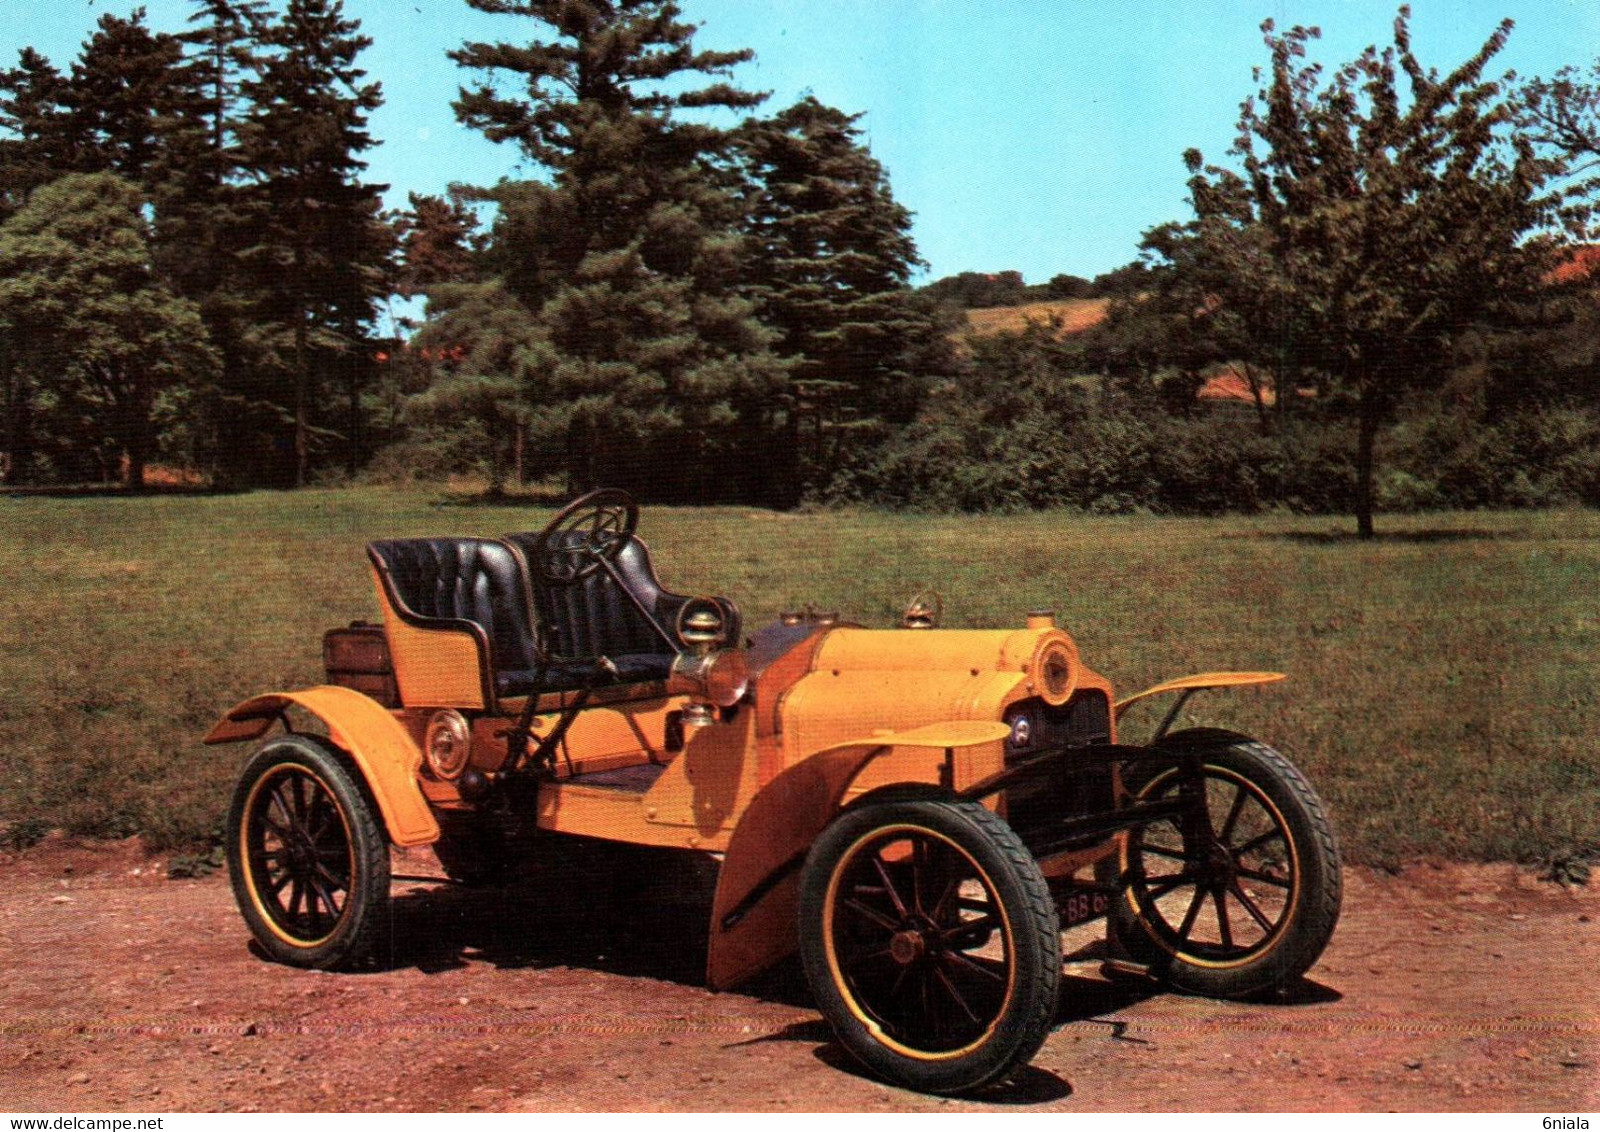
(649, 357)
(124, 99)
(831, 258)
(439, 240)
(318, 252)
(34, 138)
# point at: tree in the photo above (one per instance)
(629, 256)
(318, 252)
(831, 258)
(1388, 214)
(93, 323)
(438, 239)
(123, 99)
(34, 145)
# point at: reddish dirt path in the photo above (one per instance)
(1466, 988)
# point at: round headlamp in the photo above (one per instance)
(1053, 670)
(447, 745)
(701, 625)
(1021, 731)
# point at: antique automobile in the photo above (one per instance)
(918, 812)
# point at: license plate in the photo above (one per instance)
(1081, 907)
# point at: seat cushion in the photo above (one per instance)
(572, 675)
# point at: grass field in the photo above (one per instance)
(1444, 695)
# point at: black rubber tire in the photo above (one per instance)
(1286, 909)
(974, 861)
(314, 892)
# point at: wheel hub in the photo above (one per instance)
(906, 947)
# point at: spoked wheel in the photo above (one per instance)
(308, 858)
(1240, 893)
(586, 532)
(931, 943)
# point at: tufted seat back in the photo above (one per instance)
(592, 616)
(473, 580)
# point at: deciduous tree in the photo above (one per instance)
(1386, 205)
(93, 326)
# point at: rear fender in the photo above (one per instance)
(366, 731)
(753, 915)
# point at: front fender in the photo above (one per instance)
(753, 914)
(1200, 682)
(366, 731)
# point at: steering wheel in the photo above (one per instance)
(590, 530)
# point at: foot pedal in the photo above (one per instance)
(1125, 971)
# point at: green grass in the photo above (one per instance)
(1445, 679)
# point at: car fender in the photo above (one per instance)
(1200, 682)
(753, 914)
(366, 731)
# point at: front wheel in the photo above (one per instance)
(1239, 894)
(308, 856)
(931, 943)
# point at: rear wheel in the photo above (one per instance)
(308, 856)
(1239, 894)
(931, 943)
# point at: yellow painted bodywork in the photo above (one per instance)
(369, 733)
(781, 823)
(1200, 682)
(433, 667)
(867, 680)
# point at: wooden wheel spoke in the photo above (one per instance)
(1223, 925)
(920, 867)
(1264, 878)
(1251, 906)
(278, 799)
(872, 914)
(950, 989)
(967, 962)
(1233, 815)
(953, 937)
(1192, 914)
(278, 882)
(951, 888)
(323, 893)
(889, 888)
(1275, 833)
(328, 876)
(1166, 884)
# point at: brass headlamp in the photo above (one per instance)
(711, 676)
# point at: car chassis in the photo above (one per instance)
(919, 812)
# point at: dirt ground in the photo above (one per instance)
(1446, 987)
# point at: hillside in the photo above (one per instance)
(1075, 315)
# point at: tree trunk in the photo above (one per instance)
(302, 445)
(1263, 424)
(19, 428)
(1366, 460)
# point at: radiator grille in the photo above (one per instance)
(1062, 789)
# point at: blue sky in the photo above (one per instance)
(1036, 135)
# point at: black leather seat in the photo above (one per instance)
(473, 585)
(593, 617)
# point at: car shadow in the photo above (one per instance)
(545, 921)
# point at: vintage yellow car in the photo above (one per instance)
(918, 812)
